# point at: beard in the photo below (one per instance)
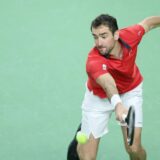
(105, 51)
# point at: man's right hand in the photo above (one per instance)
(120, 110)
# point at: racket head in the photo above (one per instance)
(130, 120)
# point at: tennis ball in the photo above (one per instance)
(81, 137)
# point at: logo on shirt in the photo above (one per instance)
(104, 67)
(139, 33)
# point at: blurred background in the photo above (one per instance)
(43, 50)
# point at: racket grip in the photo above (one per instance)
(124, 116)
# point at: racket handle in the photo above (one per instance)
(124, 116)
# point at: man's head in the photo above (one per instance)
(104, 30)
(106, 20)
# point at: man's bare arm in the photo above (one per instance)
(150, 23)
(108, 84)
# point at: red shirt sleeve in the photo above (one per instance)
(95, 68)
(132, 35)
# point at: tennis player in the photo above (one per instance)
(114, 84)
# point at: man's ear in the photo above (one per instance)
(116, 35)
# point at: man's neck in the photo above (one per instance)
(117, 51)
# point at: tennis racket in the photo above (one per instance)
(130, 120)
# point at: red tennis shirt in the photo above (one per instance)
(124, 71)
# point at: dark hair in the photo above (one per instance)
(106, 20)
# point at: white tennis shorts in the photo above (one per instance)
(96, 112)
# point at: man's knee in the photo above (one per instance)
(134, 149)
(88, 151)
(85, 155)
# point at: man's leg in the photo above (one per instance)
(89, 150)
(136, 151)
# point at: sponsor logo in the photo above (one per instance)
(104, 67)
(139, 33)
